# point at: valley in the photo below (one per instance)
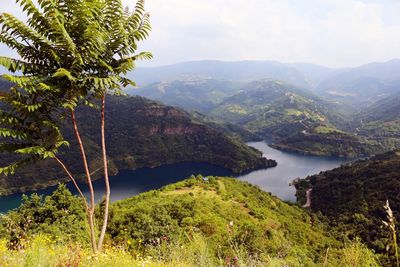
(142, 133)
(303, 120)
(199, 133)
(276, 180)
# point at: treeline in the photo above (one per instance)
(352, 197)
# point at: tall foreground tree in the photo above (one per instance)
(72, 53)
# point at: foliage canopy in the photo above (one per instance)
(70, 53)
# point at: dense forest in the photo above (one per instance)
(352, 197)
(380, 122)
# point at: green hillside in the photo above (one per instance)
(275, 109)
(327, 141)
(294, 119)
(140, 133)
(196, 222)
(353, 196)
(381, 122)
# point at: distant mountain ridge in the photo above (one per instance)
(193, 94)
(221, 70)
(356, 84)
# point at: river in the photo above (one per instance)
(290, 166)
(275, 180)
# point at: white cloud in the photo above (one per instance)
(328, 32)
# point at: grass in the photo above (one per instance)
(237, 110)
(326, 130)
(293, 112)
(42, 251)
(45, 252)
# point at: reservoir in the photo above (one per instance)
(290, 166)
(275, 180)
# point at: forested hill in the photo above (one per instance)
(386, 109)
(353, 196)
(295, 119)
(141, 133)
(381, 122)
(197, 222)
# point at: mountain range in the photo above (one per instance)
(289, 117)
(359, 85)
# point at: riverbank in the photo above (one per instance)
(275, 180)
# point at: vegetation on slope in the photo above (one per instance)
(140, 133)
(326, 141)
(381, 122)
(294, 119)
(373, 130)
(196, 222)
(353, 196)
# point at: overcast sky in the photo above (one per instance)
(334, 33)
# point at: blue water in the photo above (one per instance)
(275, 180)
(290, 166)
(130, 183)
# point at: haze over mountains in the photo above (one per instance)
(358, 84)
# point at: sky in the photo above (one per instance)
(334, 33)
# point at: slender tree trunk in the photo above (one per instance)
(59, 161)
(89, 181)
(106, 179)
(77, 188)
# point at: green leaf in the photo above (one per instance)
(63, 73)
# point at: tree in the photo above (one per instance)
(72, 53)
